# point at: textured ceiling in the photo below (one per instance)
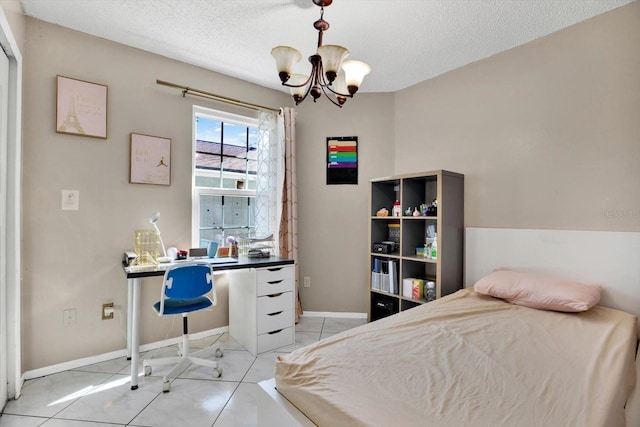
(404, 41)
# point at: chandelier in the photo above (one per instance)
(325, 74)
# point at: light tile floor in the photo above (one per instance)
(99, 395)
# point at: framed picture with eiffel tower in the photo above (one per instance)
(81, 108)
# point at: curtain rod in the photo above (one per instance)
(197, 92)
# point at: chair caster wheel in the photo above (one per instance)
(166, 387)
(219, 353)
(147, 371)
(217, 372)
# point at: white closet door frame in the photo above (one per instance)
(4, 106)
(12, 219)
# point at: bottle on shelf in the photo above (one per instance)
(434, 247)
(397, 209)
(427, 251)
(430, 292)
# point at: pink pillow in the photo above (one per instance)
(539, 291)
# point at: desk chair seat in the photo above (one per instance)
(185, 288)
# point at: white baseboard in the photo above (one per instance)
(77, 363)
(73, 364)
(334, 314)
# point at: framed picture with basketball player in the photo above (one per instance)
(150, 160)
(81, 107)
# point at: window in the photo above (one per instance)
(224, 175)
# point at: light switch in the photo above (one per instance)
(70, 200)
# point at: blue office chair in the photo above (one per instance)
(185, 288)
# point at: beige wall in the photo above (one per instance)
(332, 219)
(17, 21)
(547, 134)
(71, 259)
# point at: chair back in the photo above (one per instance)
(188, 281)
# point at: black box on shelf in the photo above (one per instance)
(383, 306)
(382, 309)
(384, 247)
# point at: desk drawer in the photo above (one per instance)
(274, 287)
(275, 321)
(277, 302)
(271, 341)
(274, 274)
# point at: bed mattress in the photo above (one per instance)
(468, 360)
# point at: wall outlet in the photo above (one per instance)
(107, 311)
(307, 282)
(69, 317)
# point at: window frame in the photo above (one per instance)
(197, 192)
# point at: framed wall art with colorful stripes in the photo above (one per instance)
(342, 160)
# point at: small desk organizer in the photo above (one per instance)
(263, 244)
(146, 247)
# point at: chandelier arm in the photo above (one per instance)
(322, 81)
(330, 98)
(316, 74)
(300, 85)
(306, 93)
(319, 69)
(346, 95)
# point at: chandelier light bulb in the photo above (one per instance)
(286, 58)
(354, 72)
(332, 57)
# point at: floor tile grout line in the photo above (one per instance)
(117, 424)
(87, 421)
(145, 407)
(114, 373)
(43, 418)
(251, 366)
(72, 401)
(226, 403)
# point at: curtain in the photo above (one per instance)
(288, 234)
(276, 197)
(269, 176)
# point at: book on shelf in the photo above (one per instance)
(393, 277)
(384, 276)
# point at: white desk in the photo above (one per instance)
(134, 281)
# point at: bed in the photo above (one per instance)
(469, 359)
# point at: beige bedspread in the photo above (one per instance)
(468, 360)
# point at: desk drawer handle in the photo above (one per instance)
(274, 282)
(275, 295)
(275, 313)
(275, 332)
(275, 269)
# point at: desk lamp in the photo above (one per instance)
(153, 220)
